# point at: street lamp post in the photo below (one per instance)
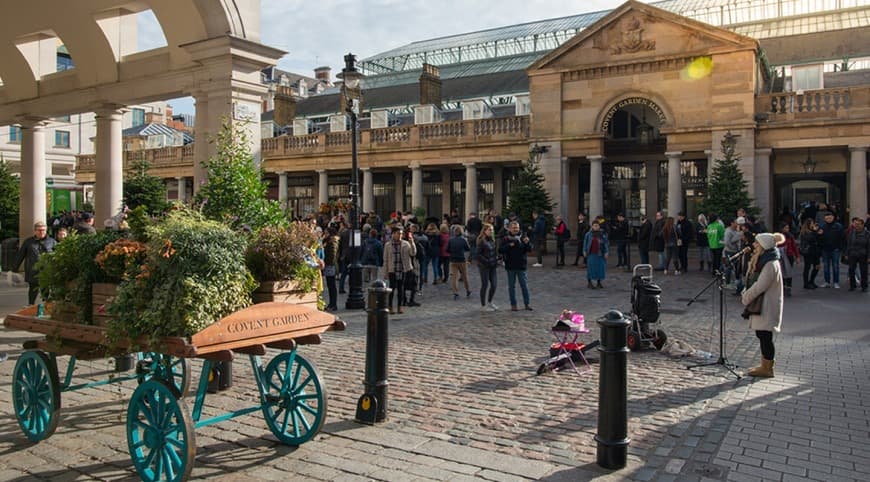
(350, 77)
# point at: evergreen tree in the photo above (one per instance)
(10, 198)
(528, 195)
(143, 189)
(235, 193)
(727, 190)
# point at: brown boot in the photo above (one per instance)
(763, 371)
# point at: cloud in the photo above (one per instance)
(317, 34)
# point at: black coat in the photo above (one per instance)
(657, 240)
(644, 234)
(29, 254)
(514, 251)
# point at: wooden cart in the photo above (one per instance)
(160, 428)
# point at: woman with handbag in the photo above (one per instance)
(330, 266)
(763, 299)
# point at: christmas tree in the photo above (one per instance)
(727, 190)
(528, 195)
(10, 192)
(143, 189)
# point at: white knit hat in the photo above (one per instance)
(766, 240)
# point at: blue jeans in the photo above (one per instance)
(436, 268)
(831, 258)
(513, 276)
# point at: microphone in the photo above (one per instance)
(740, 253)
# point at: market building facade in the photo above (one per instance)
(627, 108)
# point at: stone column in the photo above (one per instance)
(400, 190)
(368, 190)
(763, 181)
(470, 190)
(201, 134)
(322, 188)
(596, 186)
(858, 182)
(564, 193)
(416, 186)
(652, 188)
(675, 184)
(109, 189)
(498, 189)
(282, 189)
(182, 189)
(33, 170)
(445, 192)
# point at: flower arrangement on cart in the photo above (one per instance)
(229, 275)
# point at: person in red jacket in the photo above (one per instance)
(562, 233)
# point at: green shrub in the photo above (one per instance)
(282, 253)
(194, 275)
(66, 274)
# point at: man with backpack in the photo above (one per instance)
(833, 237)
(857, 249)
(372, 257)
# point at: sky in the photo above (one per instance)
(321, 33)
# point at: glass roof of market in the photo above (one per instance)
(755, 18)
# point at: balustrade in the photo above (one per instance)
(807, 102)
(391, 134)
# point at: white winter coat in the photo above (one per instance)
(770, 283)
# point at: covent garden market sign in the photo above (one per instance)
(642, 101)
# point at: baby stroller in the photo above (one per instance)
(567, 351)
(646, 300)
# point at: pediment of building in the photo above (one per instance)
(639, 33)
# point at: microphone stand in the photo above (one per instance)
(723, 360)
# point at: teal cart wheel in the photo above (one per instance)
(36, 395)
(295, 405)
(160, 433)
(172, 370)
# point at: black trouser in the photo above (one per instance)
(683, 253)
(333, 292)
(861, 264)
(560, 252)
(344, 272)
(445, 268)
(397, 284)
(717, 259)
(766, 339)
(811, 269)
(32, 291)
(579, 252)
(539, 250)
(622, 252)
(488, 277)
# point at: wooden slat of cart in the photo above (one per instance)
(262, 324)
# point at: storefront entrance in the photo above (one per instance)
(796, 191)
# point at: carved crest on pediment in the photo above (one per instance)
(632, 39)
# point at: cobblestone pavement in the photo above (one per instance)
(465, 402)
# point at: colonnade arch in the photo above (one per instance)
(213, 53)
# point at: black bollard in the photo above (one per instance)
(612, 434)
(372, 405)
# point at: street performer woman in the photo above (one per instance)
(764, 280)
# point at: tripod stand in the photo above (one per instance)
(719, 280)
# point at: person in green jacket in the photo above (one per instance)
(715, 235)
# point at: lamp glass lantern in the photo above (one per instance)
(536, 152)
(809, 164)
(351, 77)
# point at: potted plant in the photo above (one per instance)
(117, 260)
(66, 276)
(193, 274)
(282, 259)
